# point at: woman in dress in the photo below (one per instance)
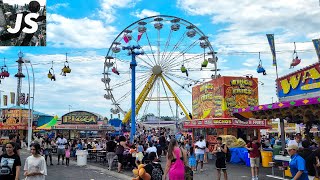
(35, 167)
(10, 163)
(176, 160)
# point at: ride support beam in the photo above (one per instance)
(146, 89)
(176, 97)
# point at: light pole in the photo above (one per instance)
(30, 117)
(69, 107)
(133, 65)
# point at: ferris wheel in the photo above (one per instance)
(177, 55)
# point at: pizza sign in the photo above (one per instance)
(79, 117)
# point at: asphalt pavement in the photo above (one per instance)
(97, 171)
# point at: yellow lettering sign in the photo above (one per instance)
(295, 80)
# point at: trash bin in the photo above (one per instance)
(287, 172)
(82, 157)
(266, 158)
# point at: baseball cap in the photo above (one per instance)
(292, 146)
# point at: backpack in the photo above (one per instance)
(156, 173)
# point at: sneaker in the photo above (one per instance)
(253, 178)
(201, 170)
(51, 164)
(58, 164)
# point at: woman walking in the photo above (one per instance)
(10, 163)
(47, 150)
(176, 160)
(35, 167)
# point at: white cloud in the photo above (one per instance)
(57, 6)
(3, 49)
(78, 33)
(108, 8)
(144, 13)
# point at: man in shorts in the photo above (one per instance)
(220, 150)
(61, 142)
(200, 148)
(254, 152)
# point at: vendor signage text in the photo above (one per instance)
(79, 117)
(303, 81)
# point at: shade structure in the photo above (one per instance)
(48, 126)
(306, 108)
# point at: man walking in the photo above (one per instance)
(254, 151)
(220, 150)
(200, 148)
(61, 142)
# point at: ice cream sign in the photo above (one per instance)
(304, 81)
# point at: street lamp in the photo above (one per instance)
(30, 113)
(69, 107)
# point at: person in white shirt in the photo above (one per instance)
(296, 141)
(61, 142)
(151, 148)
(200, 150)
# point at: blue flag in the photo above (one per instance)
(316, 43)
(273, 48)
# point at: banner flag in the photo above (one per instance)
(273, 48)
(5, 100)
(140, 35)
(316, 43)
(12, 97)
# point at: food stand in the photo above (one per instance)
(82, 124)
(213, 103)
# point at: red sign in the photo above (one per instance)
(227, 123)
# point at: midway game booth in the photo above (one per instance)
(82, 124)
(15, 120)
(299, 100)
(212, 106)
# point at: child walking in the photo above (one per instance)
(192, 159)
(68, 151)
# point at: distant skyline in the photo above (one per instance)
(85, 30)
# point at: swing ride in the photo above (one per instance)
(64, 71)
(176, 52)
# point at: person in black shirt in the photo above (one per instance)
(153, 164)
(111, 149)
(307, 154)
(10, 163)
(13, 139)
(220, 150)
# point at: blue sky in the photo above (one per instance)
(85, 30)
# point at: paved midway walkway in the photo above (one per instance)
(74, 172)
(97, 171)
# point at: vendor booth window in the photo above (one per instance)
(212, 131)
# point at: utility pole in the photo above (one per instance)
(133, 64)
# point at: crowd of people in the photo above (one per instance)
(184, 156)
